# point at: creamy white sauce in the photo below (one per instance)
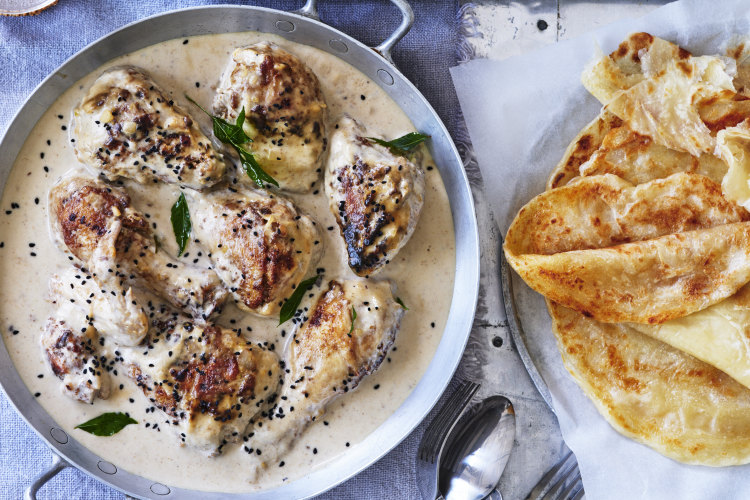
(423, 272)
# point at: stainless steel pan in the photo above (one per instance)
(301, 27)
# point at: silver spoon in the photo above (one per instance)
(478, 450)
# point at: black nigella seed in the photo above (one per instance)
(37, 394)
(185, 42)
(362, 97)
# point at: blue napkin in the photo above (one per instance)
(32, 47)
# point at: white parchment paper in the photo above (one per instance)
(521, 114)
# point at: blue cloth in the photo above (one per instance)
(32, 47)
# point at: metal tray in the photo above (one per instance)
(301, 27)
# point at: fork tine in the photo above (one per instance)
(447, 417)
(575, 483)
(554, 492)
(429, 435)
(436, 432)
(578, 494)
(549, 479)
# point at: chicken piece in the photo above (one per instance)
(328, 356)
(284, 108)
(127, 126)
(260, 245)
(207, 380)
(376, 197)
(71, 354)
(113, 311)
(84, 210)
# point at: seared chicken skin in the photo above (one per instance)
(285, 112)
(376, 197)
(127, 126)
(328, 356)
(207, 380)
(85, 211)
(260, 245)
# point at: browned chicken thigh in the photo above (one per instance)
(208, 381)
(127, 126)
(375, 195)
(97, 224)
(285, 112)
(260, 245)
(345, 337)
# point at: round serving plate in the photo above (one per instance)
(301, 27)
(530, 356)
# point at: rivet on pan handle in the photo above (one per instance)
(56, 466)
(384, 49)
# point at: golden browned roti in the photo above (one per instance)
(641, 245)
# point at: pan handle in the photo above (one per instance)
(55, 467)
(384, 49)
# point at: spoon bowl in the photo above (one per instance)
(477, 451)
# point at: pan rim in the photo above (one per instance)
(463, 303)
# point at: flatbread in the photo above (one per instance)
(638, 54)
(605, 210)
(582, 147)
(638, 159)
(733, 144)
(655, 394)
(643, 254)
(718, 335)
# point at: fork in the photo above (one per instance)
(435, 434)
(434, 437)
(561, 482)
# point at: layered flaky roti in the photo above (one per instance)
(644, 254)
(644, 282)
(605, 210)
(640, 245)
(585, 144)
(654, 393)
(718, 335)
